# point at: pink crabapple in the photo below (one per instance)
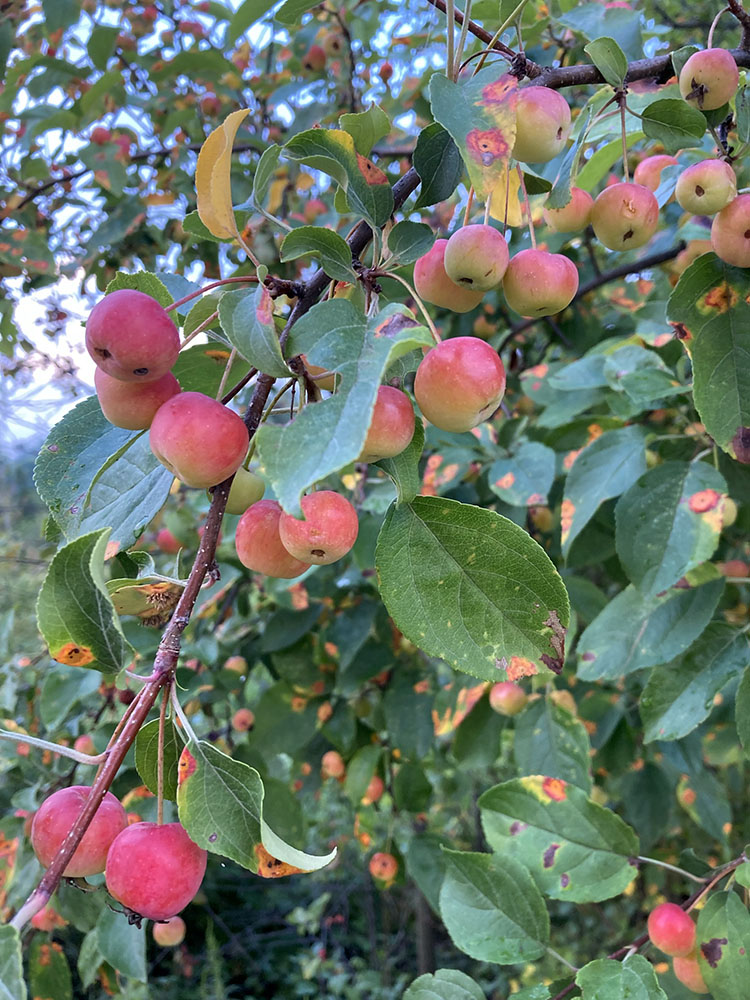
(433, 285)
(671, 930)
(328, 531)
(459, 383)
(391, 426)
(730, 232)
(538, 283)
(625, 216)
(55, 817)
(709, 79)
(706, 188)
(542, 125)
(259, 545)
(247, 488)
(132, 405)
(688, 971)
(573, 217)
(476, 257)
(648, 172)
(507, 698)
(131, 337)
(170, 933)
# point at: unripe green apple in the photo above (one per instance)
(259, 545)
(328, 531)
(132, 405)
(459, 383)
(476, 257)
(671, 929)
(730, 232)
(709, 79)
(247, 488)
(542, 125)
(131, 337)
(625, 216)
(648, 171)
(573, 217)
(391, 427)
(433, 285)
(507, 698)
(198, 440)
(538, 283)
(688, 971)
(706, 187)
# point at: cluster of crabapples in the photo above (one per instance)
(671, 930)
(153, 869)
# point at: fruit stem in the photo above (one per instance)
(76, 755)
(199, 329)
(207, 288)
(160, 756)
(450, 40)
(710, 39)
(621, 102)
(469, 203)
(516, 12)
(673, 868)
(285, 387)
(181, 716)
(554, 954)
(462, 40)
(532, 234)
(420, 303)
(225, 374)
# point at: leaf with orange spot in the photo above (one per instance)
(49, 972)
(213, 177)
(525, 478)
(270, 867)
(74, 611)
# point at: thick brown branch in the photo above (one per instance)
(738, 10)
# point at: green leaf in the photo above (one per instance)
(575, 849)
(247, 319)
(723, 954)
(331, 249)
(560, 194)
(60, 14)
(711, 301)
(604, 469)
(742, 712)
(404, 468)
(669, 522)
(264, 174)
(680, 57)
(201, 368)
(680, 695)
(367, 187)
(445, 984)
(245, 17)
(101, 45)
(525, 478)
(438, 163)
(366, 127)
(291, 11)
(141, 281)
(147, 757)
(645, 793)
(12, 986)
(549, 740)
(742, 114)
(635, 631)
(412, 790)
(704, 799)
(409, 240)
(122, 944)
(472, 587)
(477, 740)
(359, 771)
(743, 875)
(633, 979)
(74, 612)
(609, 59)
(492, 909)
(62, 688)
(49, 972)
(220, 804)
(674, 123)
(327, 435)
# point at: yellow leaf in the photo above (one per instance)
(276, 193)
(499, 194)
(213, 177)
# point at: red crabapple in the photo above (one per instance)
(671, 929)
(374, 790)
(433, 285)
(259, 545)
(573, 217)
(538, 283)
(542, 125)
(688, 971)
(154, 870)
(648, 171)
(131, 337)
(84, 744)
(236, 663)
(100, 135)
(459, 383)
(476, 257)
(167, 543)
(132, 405)
(242, 720)
(706, 187)
(391, 427)
(315, 59)
(383, 867)
(709, 79)
(385, 72)
(332, 765)
(730, 232)
(170, 933)
(247, 488)
(56, 815)
(198, 440)
(507, 698)
(328, 531)
(625, 216)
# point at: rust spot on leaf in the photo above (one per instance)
(270, 867)
(555, 789)
(373, 175)
(722, 298)
(186, 766)
(506, 481)
(741, 445)
(264, 310)
(517, 827)
(221, 356)
(704, 500)
(488, 146)
(712, 950)
(393, 325)
(73, 654)
(520, 667)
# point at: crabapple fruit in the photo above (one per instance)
(542, 125)
(730, 232)
(315, 59)
(328, 531)
(327, 382)
(374, 790)
(198, 440)
(507, 698)
(131, 337)
(57, 814)
(688, 971)
(625, 216)
(433, 284)
(47, 919)
(538, 283)
(247, 488)
(383, 867)
(706, 187)
(671, 929)
(476, 257)
(391, 427)
(259, 545)
(459, 383)
(709, 79)
(154, 870)
(100, 135)
(132, 405)
(167, 543)
(332, 765)
(84, 744)
(236, 663)
(648, 171)
(385, 72)
(573, 217)
(170, 933)
(242, 720)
